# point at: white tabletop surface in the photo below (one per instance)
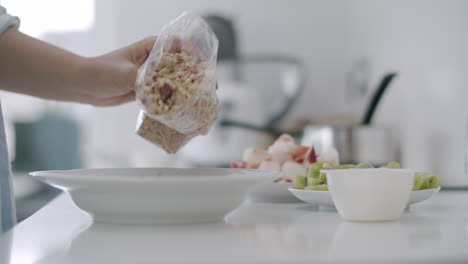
(435, 231)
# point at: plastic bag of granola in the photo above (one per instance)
(176, 86)
(167, 138)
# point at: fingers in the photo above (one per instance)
(175, 46)
(139, 51)
(189, 46)
(117, 100)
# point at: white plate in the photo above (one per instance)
(323, 198)
(156, 195)
(422, 195)
(273, 192)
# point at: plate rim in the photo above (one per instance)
(433, 191)
(301, 190)
(234, 174)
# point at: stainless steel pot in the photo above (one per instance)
(354, 143)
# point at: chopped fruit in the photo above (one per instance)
(291, 168)
(311, 156)
(250, 166)
(285, 138)
(155, 78)
(424, 185)
(433, 181)
(282, 147)
(243, 165)
(254, 156)
(314, 181)
(238, 165)
(269, 165)
(281, 158)
(323, 177)
(300, 182)
(331, 156)
(346, 166)
(419, 180)
(302, 165)
(322, 187)
(364, 165)
(393, 165)
(284, 180)
(284, 144)
(326, 165)
(299, 160)
(234, 164)
(300, 152)
(314, 170)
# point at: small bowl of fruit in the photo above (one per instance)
(313, 188)
(285, 156)
(302, 179)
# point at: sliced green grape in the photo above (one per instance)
(327, 165)
(314, 169)
(346, 166)
(323, 177)
(433, 181)
(364, 165)
(300, 182)
(322, 187)
(393, 165)
(425, 184)
(419, 180)
(314, 182)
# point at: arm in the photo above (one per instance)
(33, 67)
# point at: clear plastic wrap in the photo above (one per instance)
(176, 86)
(167, 138)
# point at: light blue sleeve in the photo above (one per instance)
(7, 202)
(7, 20)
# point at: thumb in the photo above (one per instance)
(139, 51)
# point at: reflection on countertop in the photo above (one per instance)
(435, 230)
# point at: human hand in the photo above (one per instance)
(110, 79)
(31, 66)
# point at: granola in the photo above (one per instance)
(176, 86)
(180, 92)
(167, 138)
(172, 83)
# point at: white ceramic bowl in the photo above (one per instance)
(370, 194)
(323, 198)
(320, 198)
(156, 195)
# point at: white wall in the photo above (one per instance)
(425, 41)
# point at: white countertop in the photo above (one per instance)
(435, 231)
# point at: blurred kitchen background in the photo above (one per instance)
(282, 65)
